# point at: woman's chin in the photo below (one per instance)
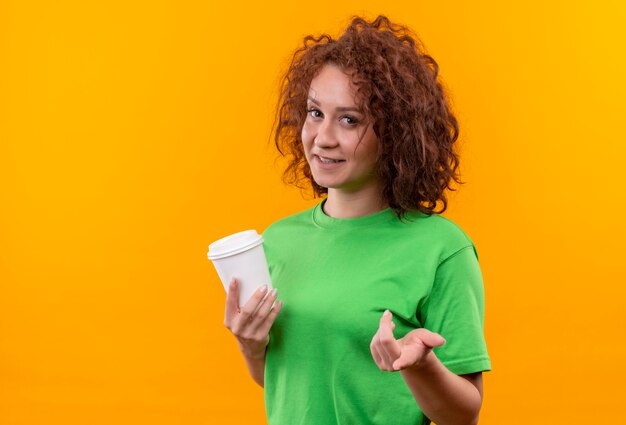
(325, 182)
(325, 186)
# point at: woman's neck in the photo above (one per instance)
(341, 204)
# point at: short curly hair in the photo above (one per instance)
(397, 87)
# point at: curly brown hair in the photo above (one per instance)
(397, 88)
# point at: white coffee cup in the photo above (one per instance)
(241, 255)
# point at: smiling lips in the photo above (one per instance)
(328, 161)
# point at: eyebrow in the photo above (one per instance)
(339, 108)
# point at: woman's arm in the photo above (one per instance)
(444, 397)
(256, 367)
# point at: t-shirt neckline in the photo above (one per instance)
(320, 219)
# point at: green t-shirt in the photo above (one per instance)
(336, 277)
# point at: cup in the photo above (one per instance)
(241, 255)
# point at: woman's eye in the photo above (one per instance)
(313, 112)
(351, 120)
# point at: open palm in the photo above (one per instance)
(391, 354)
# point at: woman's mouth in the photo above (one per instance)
(328, 161)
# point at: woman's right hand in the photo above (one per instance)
(251, 324)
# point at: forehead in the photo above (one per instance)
(333, 86)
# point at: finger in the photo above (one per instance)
(386, 322)
(415, 346)
(430, 339)
(376, 353)
(258, 317)
(231, 301)
(389, 347)
(385, 359)
(265, 327)
(250, 307)
(378, 359)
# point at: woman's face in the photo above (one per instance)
(340, 146)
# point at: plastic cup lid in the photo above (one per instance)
(234, 244)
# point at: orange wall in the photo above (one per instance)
(132, 134)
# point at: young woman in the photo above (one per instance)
(383, 297)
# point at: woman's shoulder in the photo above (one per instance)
(448, 227)
(440, 231)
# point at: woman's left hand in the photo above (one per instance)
(392, 354)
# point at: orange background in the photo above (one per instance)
(132, 134)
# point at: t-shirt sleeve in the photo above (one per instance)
(455, 310)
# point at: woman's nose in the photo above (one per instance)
(325, 137)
